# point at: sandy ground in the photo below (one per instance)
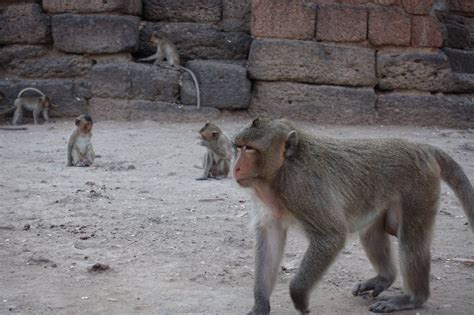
(176, 245)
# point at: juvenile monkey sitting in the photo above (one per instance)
(217, 159)
(79, 147)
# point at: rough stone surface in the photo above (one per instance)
(341, 24)
(24, 24)
(311, 62)
(319, 103)
(19, 52)
(135, 81)
(470, 25)
(426, 110)
(132, 7)
(417, 6)
(95, 33)
(222, 85)
(458, 34)
(113, 109)
(460, 60)
(236, 16)
(292, 19)
(61, 93)
(182, 10)
(414, 70)
(389, 26)
(465, 7)
(197, 41)
(427, 31)
(63, 66)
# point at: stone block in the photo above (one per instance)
(132, 7)
(319, 103)
(114, 109)
(19, 52)
(61, 93)
(291, 19)
(427, 31)
(182, 10)
(95, 33)
(460, 60)
(24, 24)
(197, 41)
(414, 70)
(463, 7)
(417, 6)
(222, 85)
(389, 26)
(470, 26)
(426, 110)
(342, 24)
(62, 66)
(236, 15)
(311, 62)
(458, 34)
(135, 81)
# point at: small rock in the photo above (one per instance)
(7, 227)
(90, 183)
(98, 267)
(26, 227)
(84, 237)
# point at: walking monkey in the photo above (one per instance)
(332, 187)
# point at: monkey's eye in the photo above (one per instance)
(248, 149)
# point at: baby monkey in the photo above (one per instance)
(79, 147)
(217, 159)
(165, 49)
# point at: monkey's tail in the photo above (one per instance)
(198, 92)
(454, 176)
(30, 89)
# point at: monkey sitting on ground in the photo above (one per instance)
(165, 49)
(333, 187)
(79, 147)
(217, 159)
(35, 104)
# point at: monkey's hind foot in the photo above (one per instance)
(376, 284)
(202, 178)
(395, 303)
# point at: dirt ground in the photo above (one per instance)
(173, 244)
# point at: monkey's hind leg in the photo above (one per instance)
(17, 116)
(415, 258)
(207, 164)
(376, 244)
(220, 170)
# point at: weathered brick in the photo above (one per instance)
(292, 19)
(20, 52)
(51, 66)
(236, 15)
(414, 70)
(135, 81)
(342, 23)
(61, 93)
(222, 84)
(114, 109)
(132, 7)
(426, 110)
(417, 6)
(24, 24)
(319, 103)
(389, 26)
(460, 60)
(427, 31)
(197, 41)
(95, 33)
(465, 7)
(311, 62)
(182, 10)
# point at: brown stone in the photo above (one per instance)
(389, 26)
(427, 31)
(182, 10)
(466, 7)
(417, 6)
(341, 23)
(291, 19)
(133, 7)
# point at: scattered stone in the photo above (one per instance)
(26, 227)
(90, 183)
(8, 227)
(84, 237)
(98, 267)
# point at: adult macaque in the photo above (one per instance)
(79, 147)
(332, 187)
(217, 159)
(165, 49)
(35, 104)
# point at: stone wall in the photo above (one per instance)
(83, 54)
(329, 61)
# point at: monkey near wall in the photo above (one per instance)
(35, 104)
(332, 187)
(79, 147)
(217, 159)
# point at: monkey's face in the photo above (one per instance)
(84, 123)
(45, 103)
(209, 133)
(260, 151)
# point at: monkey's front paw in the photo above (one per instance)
(376, 284)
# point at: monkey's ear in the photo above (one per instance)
(77, 121)
(215, 134)
(291, 143)
(255, 122)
